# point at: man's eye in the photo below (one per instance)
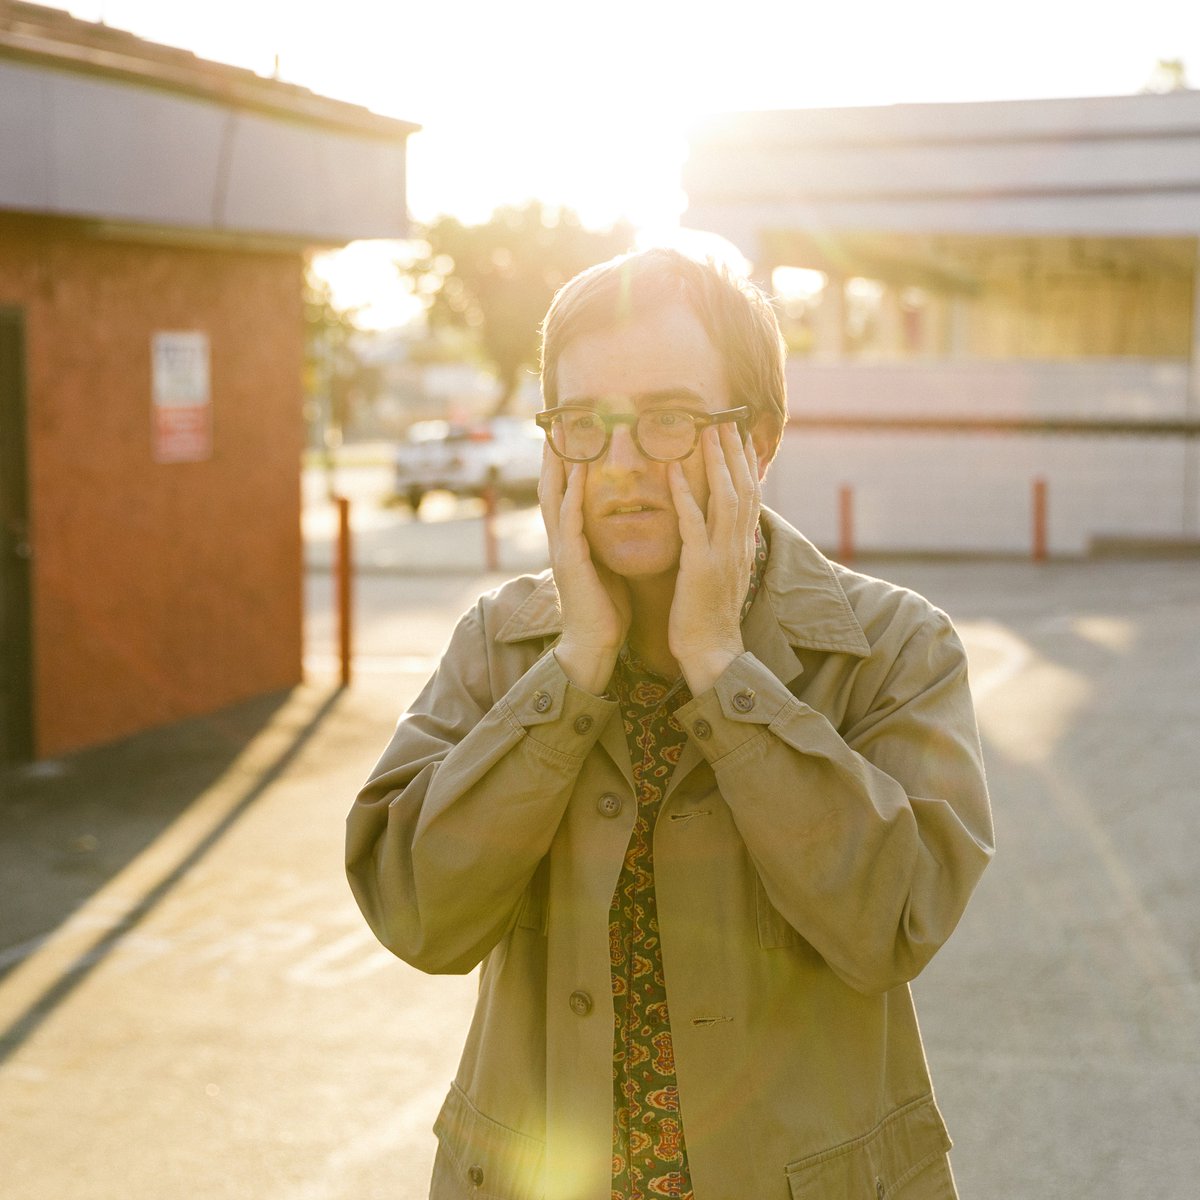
(668, 420)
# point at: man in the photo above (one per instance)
(699, 801)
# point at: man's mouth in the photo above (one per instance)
(629, 506)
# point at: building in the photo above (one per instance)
(1010, 294)
(155, 210)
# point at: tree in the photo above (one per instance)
(1169, 75)
(497, 279)
(330, 362)
(337, 382)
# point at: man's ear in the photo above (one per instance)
(763, 449)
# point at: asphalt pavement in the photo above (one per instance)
(191, 1006)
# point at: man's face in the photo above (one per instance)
(660, 359)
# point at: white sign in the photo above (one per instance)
(182, 397)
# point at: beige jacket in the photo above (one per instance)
(818, 842)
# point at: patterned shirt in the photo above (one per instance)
(649, 1153)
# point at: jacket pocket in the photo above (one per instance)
(480, 1159)
(904, 1156)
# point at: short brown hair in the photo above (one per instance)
(736, 315)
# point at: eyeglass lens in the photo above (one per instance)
(665, 434)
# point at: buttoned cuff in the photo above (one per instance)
(745, 700)
(554, 711)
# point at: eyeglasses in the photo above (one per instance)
(582, 435)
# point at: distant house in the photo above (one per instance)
(154, 213)
(1011, 292)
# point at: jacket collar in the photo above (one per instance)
(801, 606)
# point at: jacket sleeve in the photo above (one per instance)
(868, 839)
(445, 836)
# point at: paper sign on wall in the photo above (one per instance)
(182, 398)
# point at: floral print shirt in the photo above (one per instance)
(649, 1151)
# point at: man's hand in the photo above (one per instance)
(595, 603)
(705, 633)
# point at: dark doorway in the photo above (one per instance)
(16, 651)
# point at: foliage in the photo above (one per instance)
(331, 366)
(496, 280)
(1169, 75)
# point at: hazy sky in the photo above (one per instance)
(589, 104)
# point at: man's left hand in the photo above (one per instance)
(705, 633)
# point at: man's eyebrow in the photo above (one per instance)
(675, 395)
(672, 395)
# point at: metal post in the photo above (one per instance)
(1191, 443)
(491, 546)
(1039, 520)
(344, 571)
(845, 523)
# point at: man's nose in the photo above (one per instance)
(622, 453)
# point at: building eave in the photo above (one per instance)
(35, 34)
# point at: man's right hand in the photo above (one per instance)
(595, 604)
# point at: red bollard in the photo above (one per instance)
(845, 523)
(1039, 520)
(343, 570)
(491, 545)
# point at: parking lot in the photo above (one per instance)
(191, 1005)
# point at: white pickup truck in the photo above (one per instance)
(504, 453)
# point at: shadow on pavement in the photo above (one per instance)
(70, 826)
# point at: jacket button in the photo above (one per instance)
(581, 1003)
(583, 724)
(475, 1175)
(702, 729)
(542, 701)
(609, 804)
(743, 701)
